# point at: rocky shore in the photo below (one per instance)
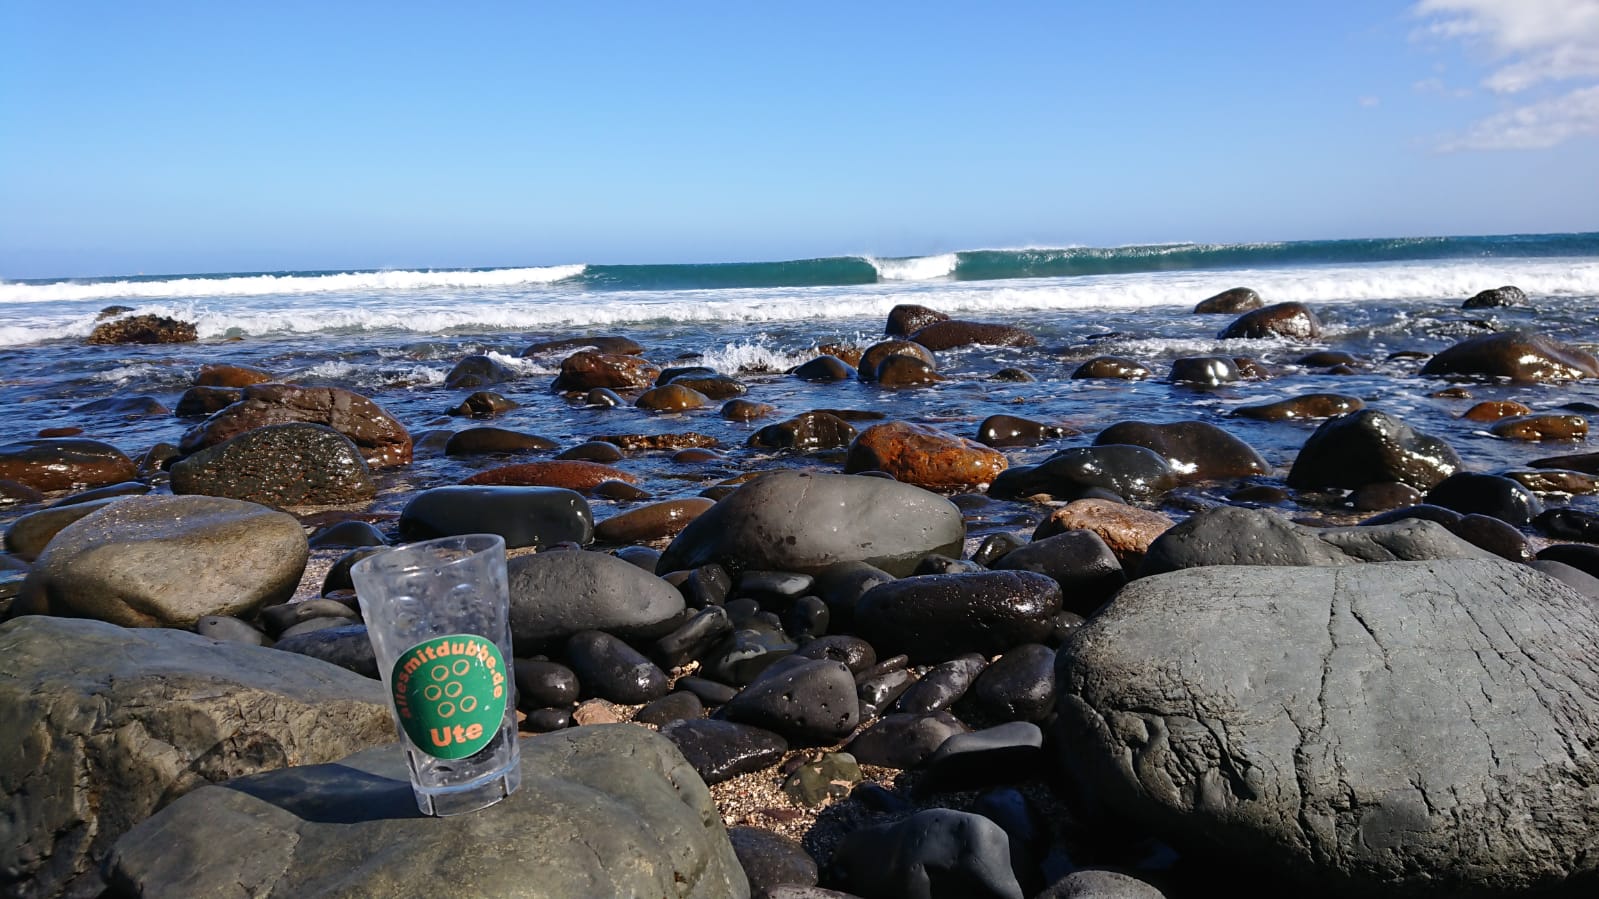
(877, 658)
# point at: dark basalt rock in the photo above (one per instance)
(905, 371)
(544, 684)
(1232, 301)
(556, 594)
(1204, 371)
(1521, 357)
(591, 451)
(1485, 494)
(770, 860)
(825, 368)
(384, 442)
(937, 617)
(486, 440)
(484, 404)
(878, 692)
(524, 516)
(610, 669)
(1568, 524)
(27, 537)
(1371, 446)
(1302, 408)
(1007, 753)
(712, 385)
(806, 432)
(1011, 430)
(744, 655)
(904, 740)
(854, 653)
(672, 397)
(933, 853)
(587, 370)
(907, 318)
(1013, 375)
(129, 407)
(143, 329)
(1018, 686)
(344, 645)
(1580, 556)
(1196, 450)
(1509, 295)
(616, 346)
(811, 701)
(720, 750)
(478, 371)
(942, 686)
(1079, 561)
(198, 402)
(1292, 320)
(1126, 471)
(947, 335)
(1112, 367)
(1585, 463)
(1382, 495)
(279, 465)
(694, 637)
(1493, 535)
(878, 352)
(679, 706)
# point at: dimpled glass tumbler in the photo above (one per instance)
(436, 613)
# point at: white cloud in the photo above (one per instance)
(1369, 102)
(1531, 44)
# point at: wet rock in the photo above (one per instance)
(1485, 494)
(610, 669)
(1308, 407)
(1196, 450)
(112, 724)
(224, 374)
(806, 432)
(485, 404)
(652, 522)
(615, 810)
(744, 655)
(478, 371)
(13, 493)
(904, 740)
(1584, 463)
(825, 368)
(384, 442)
(1568, 524)
(721, 750)
(849, 353)
(291, 464)
(569, 473)
(812, 701)
(1228, 535)
(1079, 561)
(805, 522)
(906, 371)
(671, 398)
(852, 652)
(1329, 359)
(924, 456)
(1291, 320)
(557, 594)
(1494, 535)
(1134, 472)
(1553, 480)
(878, 692)
(610, 344)
(1007, 753)
(64, 463)
(1204, 371)
(1542, 427)
(1509, 295)
(1521, 357)
(1265, 659)
(198, 402)
(1013, 375)
(1018, 686)
(746, 410)
(1233, 301)
(937, 617)
(1127, 530)
(128, 407)
(143, 329)
(1582, 557)
(1371, 446)
(877, 353)
(1253, 369)
(933, 853)
(1494, 410)
(487, 440)
(949, 334)
(1112, 367)
(1011, 430)
(592, 451)
(588, 369)
(678, 441)
(168, 561)
(907, 318)
(942, 686)
(544, 684)
(345, 645)
(1381, 495)
(712, 386)
(602, 398)
(524, 516)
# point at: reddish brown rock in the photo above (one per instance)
(947, 335)
(746, 410)
(618, 346)
(1493, 410)
(906, 371)
(484, 404)
(1292, 320)
(1542, 427)
(571, 474)
(224, 375)
(144, 329)
(652, 522)
(64, 464)
(824, 368)
(588, 369)
(1112, 367)
(658, 441)
(671, 398)
(697, 455)
(1302, 408)
(924, 456)
(877, 352)
(383, 441)
(59, 432)
(908, 318)
(198, 402)
(486, 440)
(851, 355)
(1520, 357)
(1127, 530)
(1233, 301)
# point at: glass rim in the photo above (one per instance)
(402, 558)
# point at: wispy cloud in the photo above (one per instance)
(1531, 45)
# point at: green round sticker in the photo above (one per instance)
(450, 694)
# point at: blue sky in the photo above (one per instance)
(166, 137)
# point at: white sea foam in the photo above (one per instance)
(266, 285)
(915, 268)
(752, 355)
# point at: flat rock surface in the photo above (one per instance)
(609, 810)
(1384, 729)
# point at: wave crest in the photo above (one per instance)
(266, 285)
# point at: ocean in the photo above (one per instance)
(394, 335)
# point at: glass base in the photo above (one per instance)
(479, 794)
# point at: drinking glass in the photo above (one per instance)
(436, 613)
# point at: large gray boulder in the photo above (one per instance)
(105, 725)
(168, 561)
(557, 594)
(1230, 535)
(805, 521)
(1400, 729)
(602, 811)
